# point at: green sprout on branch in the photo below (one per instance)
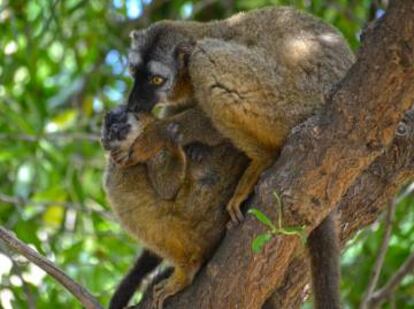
(272, 230)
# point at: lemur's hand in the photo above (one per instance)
(120, 129)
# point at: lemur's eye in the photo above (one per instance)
(157, 80)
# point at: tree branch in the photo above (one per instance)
(84, 297)
(379, 261)
(379, 296)
(26, 288)
(320, 161)
(360, 206)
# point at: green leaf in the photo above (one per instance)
(261, 217)
(259, 241)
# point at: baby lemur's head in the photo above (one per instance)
(121, 128)
(158, 64)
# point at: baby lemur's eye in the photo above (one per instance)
(157, 80)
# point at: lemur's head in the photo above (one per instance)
(158, 64)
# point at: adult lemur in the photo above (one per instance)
(255, 76)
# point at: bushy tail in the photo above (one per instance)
(145, 264)
(324, 254)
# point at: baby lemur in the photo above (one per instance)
(255, 76)
(173, 207)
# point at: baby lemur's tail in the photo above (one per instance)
(145, 264)
(324, 254)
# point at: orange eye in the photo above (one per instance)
(157, 80)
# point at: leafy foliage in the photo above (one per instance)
(274, 229)
(62, 64)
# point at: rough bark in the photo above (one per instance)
(360, 206)
(320, 161)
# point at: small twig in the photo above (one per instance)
(385, 292)
(379, 262)
(84, 297)
(31, 304)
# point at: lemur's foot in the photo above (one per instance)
(160, 294)
(121, 157)
(180, 279)
(234, 209)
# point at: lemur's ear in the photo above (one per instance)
(183, 52)
(138, 38)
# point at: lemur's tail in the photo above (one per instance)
(324, 254)
(144, 265)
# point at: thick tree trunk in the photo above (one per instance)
(318, 165)
(360, 206)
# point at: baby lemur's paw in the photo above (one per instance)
(234, 209)
(120, 129)
(195, 151)
(116, 133)
(121, 157)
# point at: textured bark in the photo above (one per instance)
(360, 206)
(318, 165)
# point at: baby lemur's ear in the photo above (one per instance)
(183, 52)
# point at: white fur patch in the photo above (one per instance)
(134, 58)
(157, 68)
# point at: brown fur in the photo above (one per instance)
(182, 88)
(185, 230)
(255, 76)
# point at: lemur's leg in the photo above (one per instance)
(235, 87)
